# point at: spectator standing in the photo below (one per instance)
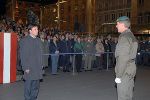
(78, 48)
(54, 49)
(148, 50)
(113, 48)
(45, 51)
(107, 48)
(99, 49)
(142, 50)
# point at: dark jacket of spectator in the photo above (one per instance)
(53, 48)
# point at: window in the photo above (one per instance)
(76, 18)
(83, 6)
(99, 18)
(20, 12)
(129, 14)
(147, 18)
(120, 4)
(76, 7)
(76, 1)
(106, 17)
(83, 18)
(69, 8)
(19, 4)
(128, 3)
(69, 19)
(140, 18)
(140, 2)
(120, 14)
(113, 16)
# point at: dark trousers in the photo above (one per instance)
(78, 61)
(49, 61)
(31, 89)
(105, 61)
(66, 62)
(99, 62)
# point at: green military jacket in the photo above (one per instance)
(125, 54)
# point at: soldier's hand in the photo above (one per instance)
(117, 80)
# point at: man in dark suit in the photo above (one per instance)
(31, 60)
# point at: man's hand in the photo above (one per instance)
(117, 80)
(27, 71)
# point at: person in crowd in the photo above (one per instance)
(107, 48)
(148, 50)
(31, 61)
(19, 68)
(71, 38)
(99, 49)
(25, 33)
(62, 45)
(83, 57)
(78, 48)
(138, 57)
(125, 54)
(113, 48)
(49, 38)
(67, 56)
(54, 49)
(109, 37)
(3, 28)
(45, 51)
(88, 57)
(110, 41)
(93, 62)
(142, 50)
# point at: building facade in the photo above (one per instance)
(85, 16)
(107, 12)
(142, 24)
(49, 16)
(76, 15)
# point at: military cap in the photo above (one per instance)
(122, 18)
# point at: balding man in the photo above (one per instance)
(125, 54)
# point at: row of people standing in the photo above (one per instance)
(76, 45)
(72, 44)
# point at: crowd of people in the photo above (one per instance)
(55, 42)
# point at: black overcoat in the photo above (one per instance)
(31, 57)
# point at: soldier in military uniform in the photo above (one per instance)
(125, 54)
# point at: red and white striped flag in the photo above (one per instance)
(8, 57)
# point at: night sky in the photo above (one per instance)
(2, 7)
